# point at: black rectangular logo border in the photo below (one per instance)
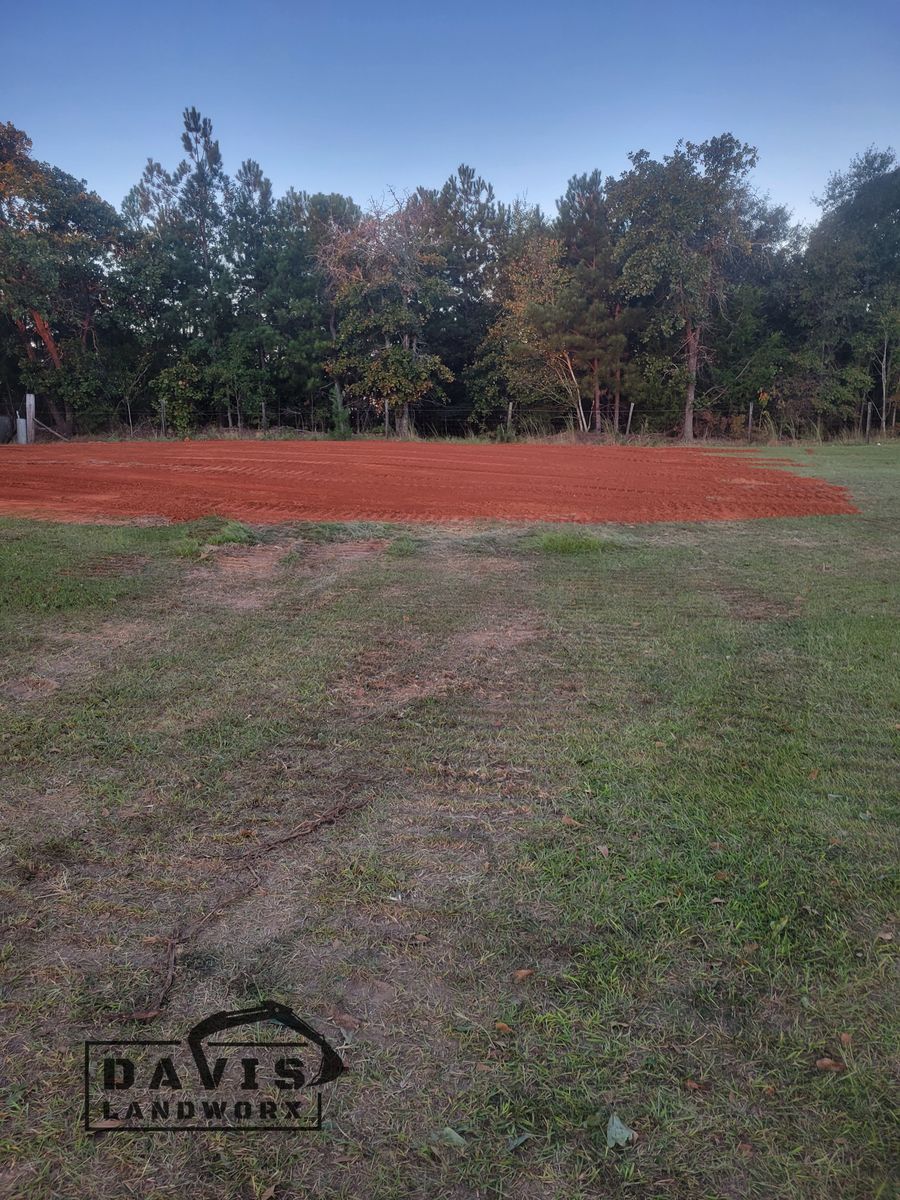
(89, 1128)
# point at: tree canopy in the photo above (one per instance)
(673, 287)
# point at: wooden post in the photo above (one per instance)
(750, 423)
(630, 411)
(868, 419)
(29, 418)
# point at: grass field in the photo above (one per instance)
(618, 839)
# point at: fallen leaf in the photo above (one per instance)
(144, 1014)
(885, 935)
(571, 822)
(830, 1064)
(522, 973)
(502, 1027)
(718, 900)
(716, 846)
(693, 1086)
(814, 773)
(450, 1137)
(846, 1039)
(721, 876)
(269, 1193)
(604, 851)
(746, 1149)
(618, 1133)
(107, 1123)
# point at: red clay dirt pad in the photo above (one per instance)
(268, 482)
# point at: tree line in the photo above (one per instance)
(673, 292)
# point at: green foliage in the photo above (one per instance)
(673, 287)
(182, 391)
(385, 276)
(340, 421)
(231, 533)
(52, 569)
(404, 546)
(847, 290)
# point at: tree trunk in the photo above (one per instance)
(617, 385)
(47, 338)
(59, 419)
(885, 369)
(65, 421)
(693, 358)
(570, 380)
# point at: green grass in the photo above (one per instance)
(66, 568)
(569, 541)
(661, 783)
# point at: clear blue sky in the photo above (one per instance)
(358, 97)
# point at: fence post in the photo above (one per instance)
(750, 423)
(29, 418)
(868, 419)
(630, 411)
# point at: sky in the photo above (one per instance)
(363, 98)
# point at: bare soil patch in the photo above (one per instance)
(748, 605)
(238, 578)
(393, 674)
(427, 482)
(75, 654)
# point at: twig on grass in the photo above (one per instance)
(180, 936)
(304, 829)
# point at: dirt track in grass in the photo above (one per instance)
(419, 481)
